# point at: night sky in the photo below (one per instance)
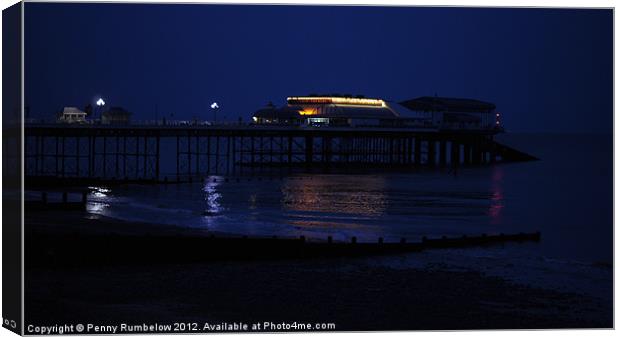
(547, 70)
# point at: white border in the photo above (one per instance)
(23, 161)
(469, 3)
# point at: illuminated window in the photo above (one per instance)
(318, 120)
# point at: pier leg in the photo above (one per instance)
(189, 155)
(125, 157)
(455, 153)
(63, 157)
(418, 151)
(208, 155)
(241, 154)
(431, 153)
(91, 155)
(252, 151)
(105, 155)
(290, 151)
(467, 150)
(477, 152)
(146, 153)
(36, 155)
(409, 150)
(178, 154)
(217, 154)
(56, 153)
(327, 150)
(442, 153)
(234, 154)
(309, 149)
(157, 158)
(77, 156)
(197, 139)
(228, 148)
(391, 150)
(137, 159)
(116, 158)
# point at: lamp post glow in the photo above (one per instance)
(214, 106)
(100, 103)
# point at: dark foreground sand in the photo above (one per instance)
(345, 291)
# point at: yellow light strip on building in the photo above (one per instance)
(305, 112)
(336, 100)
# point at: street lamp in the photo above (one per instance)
(100, 103)
(214, 106)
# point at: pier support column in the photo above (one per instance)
(116, 157)
(144, 168)
(327, 150)
(91, 149)
(455, 150)
(309, 148)
(217, 154)
(157, 159)
(178, 158)
(77, 156)
(442, 152)
(252, 152)
(208, 155)
(477, 152)
(417, 151)
(63, 157)
(409, 150)
(137, 158)
(492, 151)
(105, 155)
(197, 139)
(467, 147)
(290, 151)
(233, 154)
(431, 160)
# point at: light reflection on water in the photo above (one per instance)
(351, 197)
(97, 199)
(212, 197)
(342, 206)
(497, 200)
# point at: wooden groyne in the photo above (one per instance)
(469, 241)
(64, 204)
(92, 250)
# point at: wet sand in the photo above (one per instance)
(346, 291)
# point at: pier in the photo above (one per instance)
(135, 152)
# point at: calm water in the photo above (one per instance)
(567, 196)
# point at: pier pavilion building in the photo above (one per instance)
(348, 111)
(340, 111)
(455, 113)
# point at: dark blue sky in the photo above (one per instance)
(546, 69)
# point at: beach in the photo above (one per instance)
(353, 293)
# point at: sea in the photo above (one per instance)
(567, 195)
